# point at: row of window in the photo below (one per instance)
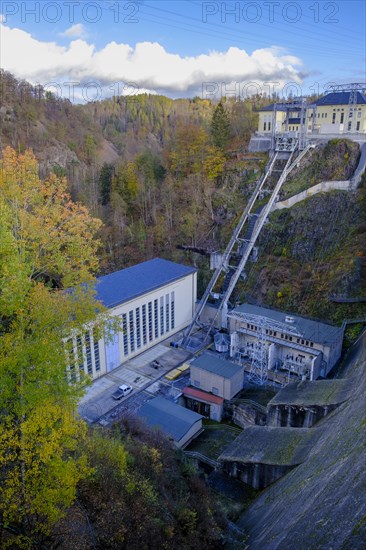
(323, 115)
(296, 359)
(334, 114)
(305, 342)
(146, 323)
(83, 356)
(282, 335)
(265, 126)
(140, 326)
(355, 109)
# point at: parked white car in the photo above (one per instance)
(122, 391)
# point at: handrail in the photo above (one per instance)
(254, 404)
(202, 457)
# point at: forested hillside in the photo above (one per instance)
(158, 172)
(170, 177)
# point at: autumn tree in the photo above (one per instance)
(47, 243)
(126, 182)
(105, 182)
(150, 173)
(220, 126)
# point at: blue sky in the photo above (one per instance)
(185, 48)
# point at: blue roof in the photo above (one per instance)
(333, 98)
(216, 365)
(127, 284)
(172, 419)
(339, 98)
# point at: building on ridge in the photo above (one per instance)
(337, 112)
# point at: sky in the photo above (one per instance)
(89, 50)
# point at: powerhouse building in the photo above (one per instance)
(291, 343)
(153, 300)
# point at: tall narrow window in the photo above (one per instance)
(96, 352)
(342, 118)
(161, 315)
(333, 118)
(264, 126)
(156, 320)
(70, 360)
(167, 312)
(80, 355)
(172, 311)
(72, 373)
(138, 328)
(150, 322)
(125, 335)
(89, 364)
(132, 332)
(144, 326)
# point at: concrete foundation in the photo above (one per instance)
(294, 416)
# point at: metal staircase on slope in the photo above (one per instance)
(224, 260)
(245, 246)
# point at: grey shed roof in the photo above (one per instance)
(315, 392)
(173, 419)
(127, 284)
(216, 365)
(309, 329)
(269, 445)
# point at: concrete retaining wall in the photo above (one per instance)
(323, 187)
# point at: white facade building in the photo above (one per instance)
(153, 300)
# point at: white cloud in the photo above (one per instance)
(76, 31)
(148, 65)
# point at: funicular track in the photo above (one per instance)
(237, 253)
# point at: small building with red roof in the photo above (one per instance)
(212, 381)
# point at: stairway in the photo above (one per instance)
(227, 280)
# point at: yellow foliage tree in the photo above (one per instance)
(54, 237)
(46, 242)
